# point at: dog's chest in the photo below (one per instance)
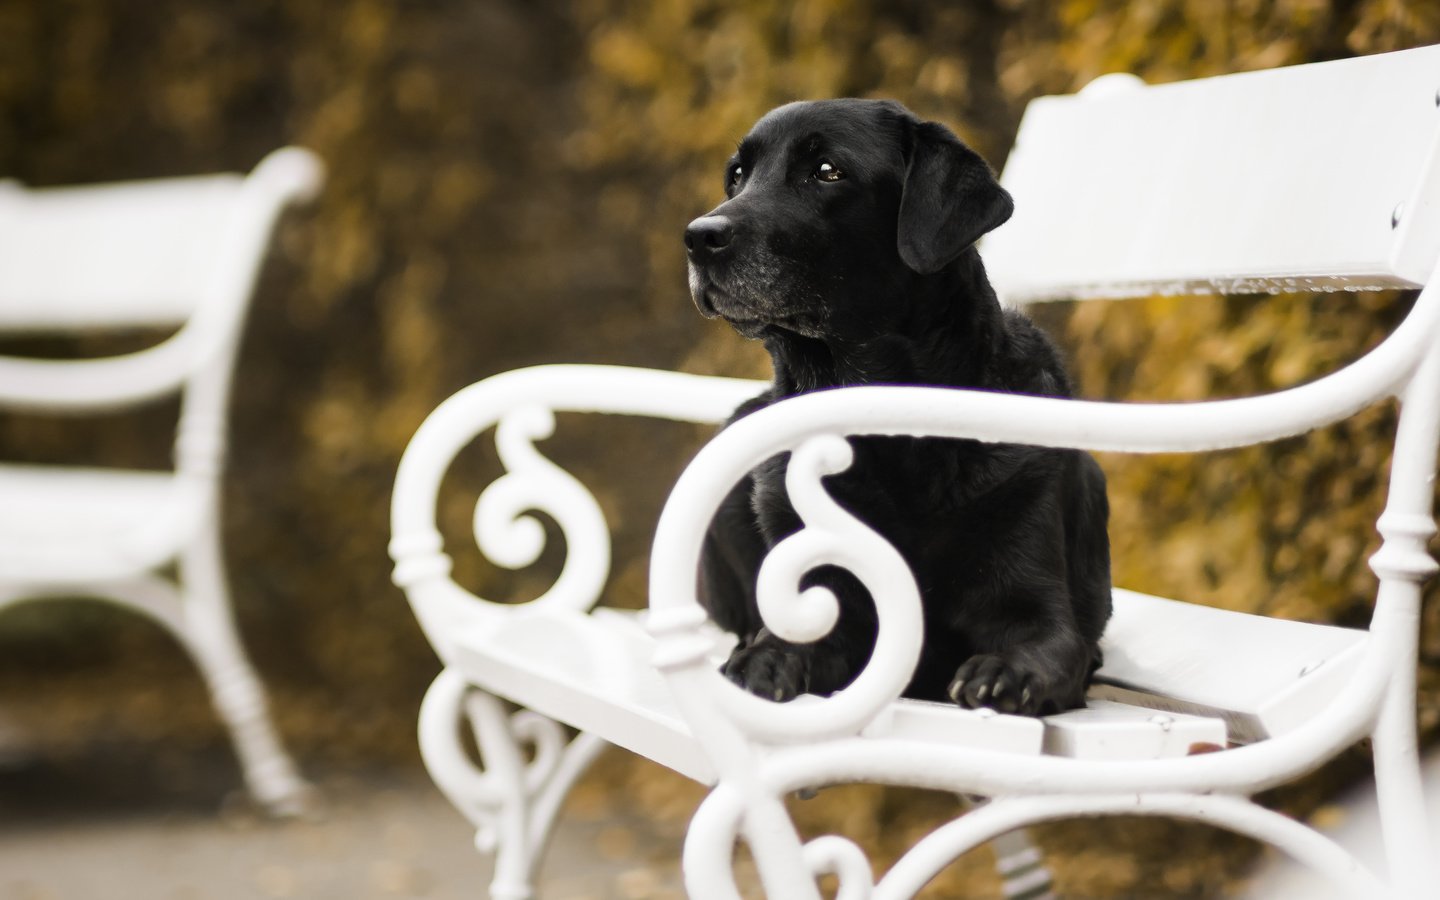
(945, 505)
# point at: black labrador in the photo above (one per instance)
(845, 244)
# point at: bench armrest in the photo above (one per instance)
(91, 385)
(813, 427)
(520, 406)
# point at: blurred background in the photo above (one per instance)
(508, 183)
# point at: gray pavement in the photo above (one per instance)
(382, 835)
(135, 826)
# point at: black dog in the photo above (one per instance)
(845, 244)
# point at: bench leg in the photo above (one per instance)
(787, 867)
(511, 803)
(1022, 868)
(726, 816)
(1399, 789)
(208, 630)
(1020, 864)
(196, 611)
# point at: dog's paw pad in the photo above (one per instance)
(987, 680)
(774, 672)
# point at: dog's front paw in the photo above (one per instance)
(770, 669)
(995, 682)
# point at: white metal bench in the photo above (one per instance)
(1316, 177)
(160, 253)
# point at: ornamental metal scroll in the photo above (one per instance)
(509, 534)
(721, 820)
(831, 536)
(529, 765)
(787, 867)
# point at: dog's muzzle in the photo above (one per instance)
(708, 238)
(701, 295)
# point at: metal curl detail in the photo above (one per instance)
(512, 795)
(834, 855)
(787, 867)
(830, 537)
(509, 534)
(802, 616)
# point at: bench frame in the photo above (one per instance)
(159, 253)
(761, 751)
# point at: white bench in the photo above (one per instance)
(1315, 177)
(180, 253)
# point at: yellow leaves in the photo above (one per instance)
(416, 91)
(345, 255)
(455, 189)
(1392, 24)
(339, 117)
(189, 106)
(814, 22)
(365, 26)
(336, 427)
(1063, 46)
(1283, 528)
(623, 55)
(942, 76)
(411, 333)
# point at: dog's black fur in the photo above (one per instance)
(845, 244)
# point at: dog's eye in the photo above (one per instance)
(827, 172)
(732, 178)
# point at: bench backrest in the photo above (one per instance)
(1319, 176)
(112, 255)
(1315, 177)
(168, 252)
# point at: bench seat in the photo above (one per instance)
(594, 671)
(1274, 675)
(62, 524)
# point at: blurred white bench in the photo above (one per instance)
(157, 254)
(1312, 178)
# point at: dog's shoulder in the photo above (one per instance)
(759, 401)
(1029, 362)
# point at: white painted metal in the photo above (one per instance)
(1162, 653)
(198, 353)
(593, 672)
(940, 723)
(149, 248)
(421, 566)
(1021, 867)
(1105, 729)
(176, 252)
(1283, 179)
(1300, 693)
(587, 671)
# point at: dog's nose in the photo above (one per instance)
(707, 237)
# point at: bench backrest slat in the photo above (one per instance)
(131, 254)
(1320, 176)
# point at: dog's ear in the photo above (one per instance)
(950, 199)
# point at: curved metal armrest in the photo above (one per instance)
(813, 427)
(538, 391)
(520, 405)
(80, 386)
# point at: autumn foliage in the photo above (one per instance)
(508, 185)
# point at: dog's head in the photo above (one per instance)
(834, 208)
